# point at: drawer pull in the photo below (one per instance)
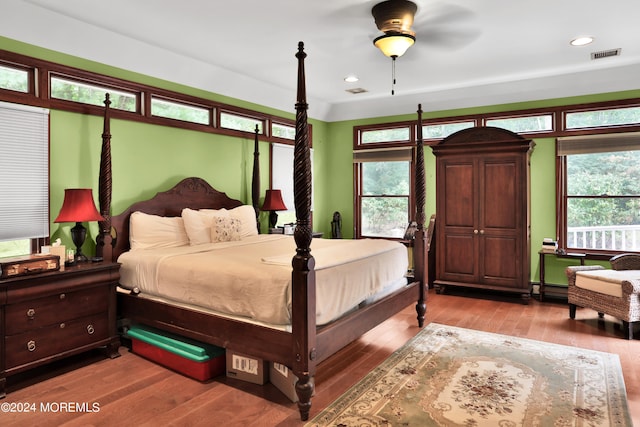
(31, 345)
(62, 296)
(31, 313)
(90, 329)
(62, 325)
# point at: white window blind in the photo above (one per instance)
(24, 172)
(282, 173)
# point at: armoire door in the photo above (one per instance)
(501, 217)
(456, 221)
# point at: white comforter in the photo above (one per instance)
(252, 277)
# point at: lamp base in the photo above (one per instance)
(273, 219)
(78, 235)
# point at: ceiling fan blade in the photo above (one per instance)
(445, 26)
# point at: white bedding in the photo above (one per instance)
(251, 278)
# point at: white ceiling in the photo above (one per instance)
(467, 53)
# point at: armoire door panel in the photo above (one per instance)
(501, 261)
(458, 258)
(499, 207)
(460, 200)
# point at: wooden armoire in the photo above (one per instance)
(482, 211)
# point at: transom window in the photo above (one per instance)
(396, 134)
(238, 122)
(14, 79)
(283, 131)
(71, 90)
(525, 124)
(603, 118)
(442, 130)
(180, 111)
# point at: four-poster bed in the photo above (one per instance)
(303, 344)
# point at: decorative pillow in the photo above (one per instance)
(247, 217)
(225, 229)
(198, 223)
(153, 231)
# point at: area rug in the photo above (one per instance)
(448, 376)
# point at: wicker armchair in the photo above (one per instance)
(626, 308)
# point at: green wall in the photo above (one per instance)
(150, 158)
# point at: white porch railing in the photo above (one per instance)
(610, 237)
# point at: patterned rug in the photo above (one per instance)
(448, 376)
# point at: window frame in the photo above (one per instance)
(358, 183)
(562, 200)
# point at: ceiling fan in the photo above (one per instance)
(395, 19)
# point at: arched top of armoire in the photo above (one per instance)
(484, 138)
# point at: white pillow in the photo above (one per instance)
(225, 229)
(198, 224)
(247, 216)
(153, 231)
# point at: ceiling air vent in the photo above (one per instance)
(606, 53)
(356, 90)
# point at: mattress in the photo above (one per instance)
(251, 278)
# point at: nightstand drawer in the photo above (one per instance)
(55, 309)
(40, 343)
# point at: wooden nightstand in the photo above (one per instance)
(48, 316)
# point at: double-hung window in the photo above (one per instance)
(384, 195)
(599, 192)
(382, 161)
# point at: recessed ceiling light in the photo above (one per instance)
(351, 78)
(581, 41)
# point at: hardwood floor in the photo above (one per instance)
(133, 391)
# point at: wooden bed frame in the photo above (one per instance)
(304, 347)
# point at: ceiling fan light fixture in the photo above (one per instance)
(394, 45)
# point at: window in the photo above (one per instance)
(442, 130)
(180, 111)
(24, 177)
(395, 134)
(525, 124)
(71, 90)
(283, 131)
(243, 123)
(282, 179)
(602, 118)
(383, 192)
(14, 79)
(601, 197)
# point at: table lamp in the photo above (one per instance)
(78, 206)
(273, 202)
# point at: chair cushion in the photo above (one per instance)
(606, 282)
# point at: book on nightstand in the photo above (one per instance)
(549, 245)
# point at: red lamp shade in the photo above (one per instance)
(78, 206)
(273, 201)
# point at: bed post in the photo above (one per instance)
(303, 276)
(255, 179)
(419, 244)
(104, 241)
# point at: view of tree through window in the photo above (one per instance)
(600, 118)
(178, 111)
(385, 198)
(14, 79)
(603, 201)
(91, 94)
